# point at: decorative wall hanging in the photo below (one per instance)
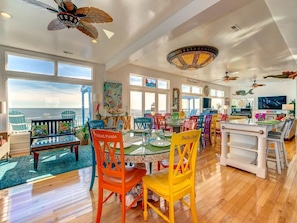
(243, 92)
(69, 16)
(112, 95)
(175, 100)
(285, 74)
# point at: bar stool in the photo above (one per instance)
(278, 150)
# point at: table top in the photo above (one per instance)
(55, 140)
(156, 149)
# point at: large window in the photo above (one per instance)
(191, 99)
(16, 62)
(148, 95)
(46, 96)
(42, 100)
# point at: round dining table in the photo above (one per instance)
(156, 147)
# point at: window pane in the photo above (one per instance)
(162, 84)
(212, 92)
(74, 71)
(220, 93)
(135, 80)
(190, 105)
(217, 104)
(162, 103)
(136, 103)
(149, 99)
(196, 90)
(150, 82)
(186, 88)
(30, 65)
(40, 99)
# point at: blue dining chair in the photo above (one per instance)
(94, 124)
(142, 123)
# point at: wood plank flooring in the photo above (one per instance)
(223, 194)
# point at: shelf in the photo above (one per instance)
(243, 146)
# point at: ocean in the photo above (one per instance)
(47, 113)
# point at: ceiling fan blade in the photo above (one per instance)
(93, 15)
(55, 24)
(88, 29)
(41, 5)
(233, 78)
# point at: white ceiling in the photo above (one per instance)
(146, 31)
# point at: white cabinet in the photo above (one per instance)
(246, 147)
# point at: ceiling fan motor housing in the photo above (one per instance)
(69, 20)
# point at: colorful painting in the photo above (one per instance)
(112, 95)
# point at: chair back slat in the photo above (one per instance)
(185, 146)
(142, 123)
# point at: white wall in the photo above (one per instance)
(122, 76)
(285, 87)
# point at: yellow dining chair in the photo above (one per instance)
(178, 180)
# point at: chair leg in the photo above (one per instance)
(145, 196)
(93, 169)
(100, 203)
(285, 154)
(123, 208)
(171, 210)
(193, 207)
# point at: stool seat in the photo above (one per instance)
(279, 150)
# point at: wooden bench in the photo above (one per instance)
(50, 134)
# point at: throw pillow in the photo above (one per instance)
(39, 130)
(65, 127)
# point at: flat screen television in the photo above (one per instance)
(206, 102)
(271, 102)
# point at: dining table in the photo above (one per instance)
(142, 146)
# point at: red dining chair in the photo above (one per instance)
(194, 118)
(160, 121)
(113, 175)
(189, 125)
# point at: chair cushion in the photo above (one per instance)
(65, 127)
(39, 130)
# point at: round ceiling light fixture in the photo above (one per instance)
(192, 57)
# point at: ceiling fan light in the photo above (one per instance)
(192, 57)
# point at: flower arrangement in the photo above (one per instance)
(260, 116)
(115, 111)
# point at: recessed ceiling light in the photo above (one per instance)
(5, 15)
(94, 41)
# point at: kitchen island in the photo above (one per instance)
(246, 147)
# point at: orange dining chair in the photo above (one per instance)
(218, 128)
(176, 181)
(160, 121)
(113, 175)
(194, 118)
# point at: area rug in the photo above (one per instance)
(20, 170)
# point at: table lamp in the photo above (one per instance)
(287, 108)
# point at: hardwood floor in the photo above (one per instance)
(223, 194)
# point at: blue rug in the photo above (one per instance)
(20, 170)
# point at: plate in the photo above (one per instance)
(126, 145)
(160, 143)
(168, 134)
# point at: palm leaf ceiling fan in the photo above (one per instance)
(255, 84)
(69, 16)
(227, 78)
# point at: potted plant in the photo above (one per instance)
(83, 134)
